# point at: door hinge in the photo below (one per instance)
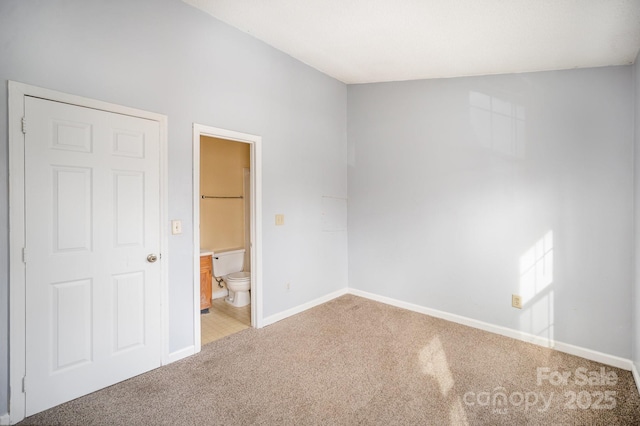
(24, 125)
(24, 255)
(24, 384)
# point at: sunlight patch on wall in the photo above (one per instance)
(536, 268)
(498, 124)
(536, 279)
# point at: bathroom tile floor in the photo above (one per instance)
(223, 320)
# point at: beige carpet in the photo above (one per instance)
(354, 361)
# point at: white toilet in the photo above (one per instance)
(228, 265)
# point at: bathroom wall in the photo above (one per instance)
(465, 191)
(168, 57)
(221, 174)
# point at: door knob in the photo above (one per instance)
(152, 258)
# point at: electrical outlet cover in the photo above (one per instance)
(516, 301)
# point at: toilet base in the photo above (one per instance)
(238, 299)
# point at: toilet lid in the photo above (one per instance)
(237, 276)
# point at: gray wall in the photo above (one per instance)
(464, 191)
(167, 57)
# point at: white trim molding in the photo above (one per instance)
(305, 306)
(589, 354)
(17, 273)
(255, 143)
(636, 376)
(181, 353)
(5, 420)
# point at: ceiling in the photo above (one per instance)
(364, 41)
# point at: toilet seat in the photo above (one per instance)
(241, 276)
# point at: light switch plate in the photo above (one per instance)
(279, 219)
(176, 227)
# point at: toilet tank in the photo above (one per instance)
(226, 262)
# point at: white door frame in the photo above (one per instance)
(17, 268)
(255, 143)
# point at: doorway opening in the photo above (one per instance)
(226, 206)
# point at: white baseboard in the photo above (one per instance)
(589, 354)
(4, 419)
(301, 308)
(220, 293)
(636, 376)
(182, 353)
(603, 358)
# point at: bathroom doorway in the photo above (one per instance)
(226, 207)
(224, 199)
